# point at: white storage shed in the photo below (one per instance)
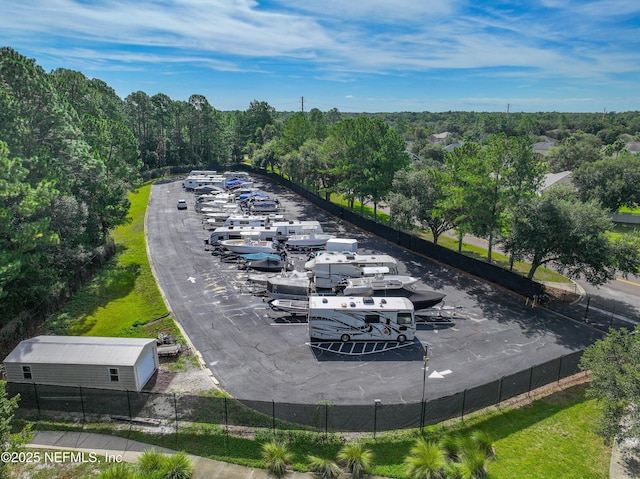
(87, 361)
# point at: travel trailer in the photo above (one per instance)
(191, 182)
(252, 220)
(294, 227)
(223, 233)
(340, 318)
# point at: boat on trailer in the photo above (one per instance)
(375, 280)
(270, 264)
(295, 307)
(290, 285)
(308, 240)
(247, 244)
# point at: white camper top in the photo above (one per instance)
(355, 258)
(342, 244)
(215, 207)
(375, 270)
(359, 303)
(296, 226)
(236, 174)
(252, 220)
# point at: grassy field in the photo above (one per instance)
(550, 437)
(123, 299)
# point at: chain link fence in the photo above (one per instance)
(174, 408)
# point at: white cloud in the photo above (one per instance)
(335, 39)
(375, 11)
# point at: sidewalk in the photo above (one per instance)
(122, 449)
(625, 464)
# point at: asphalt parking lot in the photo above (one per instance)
(257, 354)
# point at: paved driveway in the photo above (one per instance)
(256, 355)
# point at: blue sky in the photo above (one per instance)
(369, 55)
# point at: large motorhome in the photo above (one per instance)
(191, 182)
(238, 175)
(252, 220)
(223, 233)
(278, 230)
(330, 269)
(341, 318)
(296, 227)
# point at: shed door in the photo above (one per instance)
(146, 367)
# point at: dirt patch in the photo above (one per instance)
(184, 375)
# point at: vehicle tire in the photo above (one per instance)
(402, 338)
(344, 338)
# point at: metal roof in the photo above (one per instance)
(78, 350)
(552, 179)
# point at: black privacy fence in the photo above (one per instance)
(590, 309)
(175, 408)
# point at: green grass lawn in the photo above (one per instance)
(633, 211)
(123, 297)
(551, 437)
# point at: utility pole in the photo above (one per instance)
(302, 102)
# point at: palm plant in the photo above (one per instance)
(357, 458)
(324, 468)
(276, 457)
(427, 460)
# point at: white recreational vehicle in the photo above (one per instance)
(278, 230)
(295, 227)
(191, 182)
(223, 233)
(215, 220)
(330, 269)
(341, 318)
(252, 220)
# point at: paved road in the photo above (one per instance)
(257, 356)
(619, 298)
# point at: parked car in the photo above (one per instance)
(182, 204)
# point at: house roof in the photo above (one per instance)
(78, 350)
(551, 179)
(441, 136)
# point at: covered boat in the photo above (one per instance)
(269, 264)
(423, 299)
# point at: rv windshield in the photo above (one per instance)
(405, 318)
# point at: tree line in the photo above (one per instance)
(71, 149)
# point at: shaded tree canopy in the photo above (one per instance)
(615, 382)
(558, 228)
